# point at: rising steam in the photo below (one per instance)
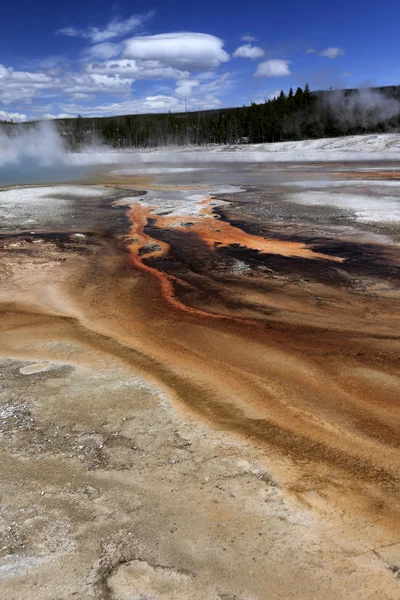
(361, 108)
(40, 144)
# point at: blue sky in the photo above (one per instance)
(95, 58)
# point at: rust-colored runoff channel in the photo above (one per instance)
(213, 232)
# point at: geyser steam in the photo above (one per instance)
(40, 144)
(361, 108)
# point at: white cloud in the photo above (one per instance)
(104, 50)
(70, 31)
(49, 63)
(206, 75)
(24, 76)
(311, 51)
(50, 116)
(138, 69)
(264, 96)
(204, 90)
(274, 94)
(248, 51)
(273, 68)
(201, 87)
(82, 96)
(149, 104)
(209, 101)
(248, 38)
(347, 74)
(116, 28)
(184, 87)
(8, 116)
(114, 78)
(92, 83)
(217, 85)
(189, 51)
(332, 52)
(59, 88)
(22, 86)
(110, 81)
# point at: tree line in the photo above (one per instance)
(298, 115)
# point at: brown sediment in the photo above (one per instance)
(304, 430)
(322, 395)
(298, 413)
(368, 175)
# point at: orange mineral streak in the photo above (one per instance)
(213, 232)
(139, 216)
(221, 233)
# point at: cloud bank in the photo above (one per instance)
(176, 65)
(117, 65)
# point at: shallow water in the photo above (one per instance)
(32, 173)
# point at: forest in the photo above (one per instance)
(297, 115)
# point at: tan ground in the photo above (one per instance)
(151, 452)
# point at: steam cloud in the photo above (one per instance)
(41, 145)
(365, 107)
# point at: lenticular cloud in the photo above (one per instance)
(192, 51)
